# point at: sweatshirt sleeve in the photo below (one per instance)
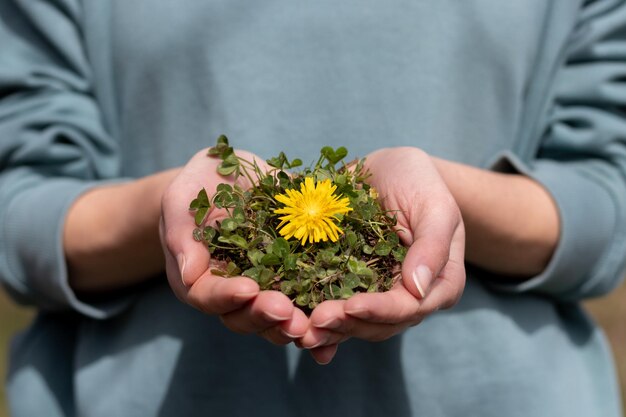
(53, 147)
(582, 158)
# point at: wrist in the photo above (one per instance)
(512, 222)
(111, 234)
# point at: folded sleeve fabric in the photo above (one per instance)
(581, 159)
(53, 147)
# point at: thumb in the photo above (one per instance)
(188, 258)
(426, 257)
(422, 265)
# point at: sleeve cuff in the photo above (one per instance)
(587, 224)
(34, 248)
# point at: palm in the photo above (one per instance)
(238, 301)
(433, 274)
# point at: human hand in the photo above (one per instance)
(433, 272)
(238, 301)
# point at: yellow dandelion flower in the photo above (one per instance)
(310, 214)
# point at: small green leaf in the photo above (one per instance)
(262, 275)
(234, 240)
(399, 253)
(365, 272)
(223, 187)
(334, 155)
(228, 224)
(280, 247)
(328, 153)
(382, 248)
(270, 259)
(286, 287)
(295, 163)
(340, 153)
(367, 210)
(255, 242)
(346, 293)
(201, 201)
(201, 215)
(255, 255)
(222, 140)
(303, 299)
(373, 287)
(227, 169)
(351, 280)
(268, 181)
(218, 272)
(283, 179)
(232, 269)
(320, 272)
(253, 273)
(220, 147)
(265, 276)
(239, 216)
(278, 162)
(290, 262)
(208, 233)
(351, 238)
(353, 265)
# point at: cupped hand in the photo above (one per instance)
(433, 272)
(238, 301)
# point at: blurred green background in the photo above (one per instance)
(609, 311)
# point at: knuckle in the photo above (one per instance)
(167, 198)
(406, 312)
(232, 324)
(199, 303)
(380, 336)
(428, 310)
(416, 321)
(455, 292)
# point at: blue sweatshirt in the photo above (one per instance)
(109, 90)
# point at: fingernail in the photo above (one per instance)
(422, 277)
(359, 312)
(319, 362)
(332, 323)
(244, 296)
(324, 341)
(182, 262)
(292, 336)
(274, 317)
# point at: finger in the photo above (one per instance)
(430, 250)
(316, 337)
(173, 277)
(324, 355)
(352, 327)
(178, 222)
(192, 258)
(218, 295)
(266, 310)
(329, 314)
(448, 287)
(275, 336)
(297, 326)
(397, 305)
(326, 317)
(289, 330)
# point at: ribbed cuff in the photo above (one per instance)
(33, 225)
(587, 224)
